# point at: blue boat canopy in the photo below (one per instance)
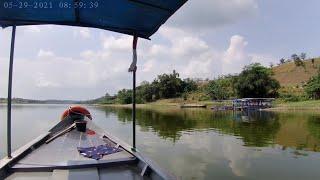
(141, 18)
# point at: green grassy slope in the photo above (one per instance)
(289, 75)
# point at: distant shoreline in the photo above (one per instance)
(311, 105)
(33, 101)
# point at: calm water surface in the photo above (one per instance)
(199, 144)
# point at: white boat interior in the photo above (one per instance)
(60, 158)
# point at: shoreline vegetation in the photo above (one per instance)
(294, 83)
(310, 105)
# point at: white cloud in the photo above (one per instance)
(148, 66)
(115, 44)
(187, 53)
(42, 82)
(184, 44)
(192, 56)
(236, 57)
(92, 55)
(239, 157)
(204, 14)
(82, 33)
(95, 70)
(43, 53)
(157, 49)
(32, 29)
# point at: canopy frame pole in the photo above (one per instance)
(133, 69)
(9, 100)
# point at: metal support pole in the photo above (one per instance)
(134, 110)
(9, 100)
(133, 69)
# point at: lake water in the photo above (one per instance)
(198, 143)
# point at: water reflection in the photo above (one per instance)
(256, 129)
(200, 143)
(314, 126)
(227, 145)
(28, 122)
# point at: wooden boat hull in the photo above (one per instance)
(60, 158)
(193, 106)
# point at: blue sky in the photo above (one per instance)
(281, 28)
(205, 39)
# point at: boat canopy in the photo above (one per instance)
(141, 18)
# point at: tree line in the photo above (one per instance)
(299, 60)
(255, 81)
(165, 86)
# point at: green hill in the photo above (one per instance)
(289, 75)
